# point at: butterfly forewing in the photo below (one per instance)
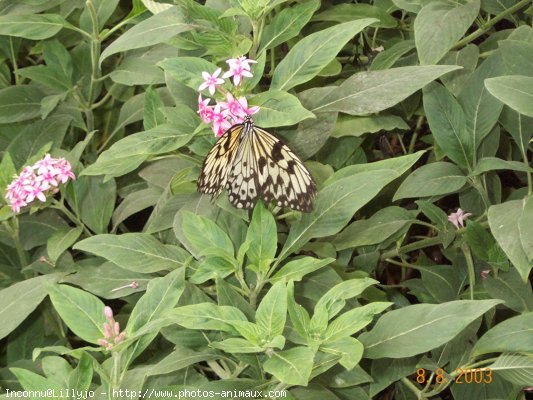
(253, 164)
(218, 162)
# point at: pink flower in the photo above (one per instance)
(205, 112)
(238, 72)
(112, 334)
(211, 81)
(458, 218)
(220, 123)
(37, 181)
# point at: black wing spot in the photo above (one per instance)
(276, 151)
(261, 163)
(290, 166)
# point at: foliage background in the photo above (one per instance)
(404, 111)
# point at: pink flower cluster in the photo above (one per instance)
(232, 111)
(38, 180)
(112, 334)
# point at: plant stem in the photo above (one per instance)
(414, 138)
(489, 24)
(73, 218)
(412, 387)
(12, 226)
(411, 247)
(14, 61)
(471, 270)
(95, 69)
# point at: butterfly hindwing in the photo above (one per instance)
(218, 162)
(283, 178)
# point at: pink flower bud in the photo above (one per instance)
(108, 312)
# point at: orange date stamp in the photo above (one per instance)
(460, 376)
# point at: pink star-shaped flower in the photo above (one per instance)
(211, 81)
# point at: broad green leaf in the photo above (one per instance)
(443, 282)
(292, 366)
(187, 70)
(484, 246)
(480, 107)
(348, 348)
(19, 300)
(203, 234)
(351, 12)
(180, 358)
(505, 222)
(307, 58)
(519, 127)
(287, 24)
(492, 164)
(389, 56)
(346, 192)
(32, 26)
(369, 92)
(61, 241)
(7, 171)
(509, 287)
(36, 229)
(207, 316)
(467, 58)
(353, 321)
(104, 10)
(156, 29)
(513, 335)
(81, 377)
(272, 311)
(311, 135)
(228, 296)
(515, 368)
(440, 24)
(419, 328)
(357, 126)
(34, 383)
(296, 269)
(374, 230)
(299, 316)
(263, 237)
(513, 90)
(431, 180)
(236, 345)
(278, 108)
(137, 252)
(19, 103)
(517, 56)
(81, 311)
(448, 124)
(97, 201)
(413, 6)
(161, 296)
(525, 227)
(127, 154)
(152, 115)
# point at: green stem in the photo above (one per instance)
(471, 270)
(412, 387)
(12, 226)
(95, 69)
(14, 61)
(257, 31)
(73, 218)
(414, 138)
(121, 24)
(489, 24)
(115, 372)
(432, 241)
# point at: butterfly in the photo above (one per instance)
(252, 164)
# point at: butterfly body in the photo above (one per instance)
(252, 164)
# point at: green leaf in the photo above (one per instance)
(311, 54)
(353, 321)
(35, 383)
(207, 316)
(278, 108)
(19, 300)
(137, 252)
(484, 246)
(128, 153)
(374, 230)
(292, 367)
(203, 234)
(513, 335)
(505, 222)
(61, 241)
(525, 226)
(161, 296)
(352, 12)
(31, 26)
(272, 311)
(439, 25)
(187, 70)
(81, 311)
(297, 269)
(370, 92)
(509, 287)
(448, 124)
(156, 29)
(387, 58)
(515, 368)
(19, 103)
(236, 345)
(493, 164)
(287, 24)
(513, 90)
(97, 201)
(348, 348)
(104, 10)
(299, 316)
(480, 107)
(348, 190)
(263, 236)
(81, 377)
(419, 328)
(152, 116)
(357, 126)
(431, 180)
(7, 171)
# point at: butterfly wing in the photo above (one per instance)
(282, 177)
(243, 183)
(218, 162)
